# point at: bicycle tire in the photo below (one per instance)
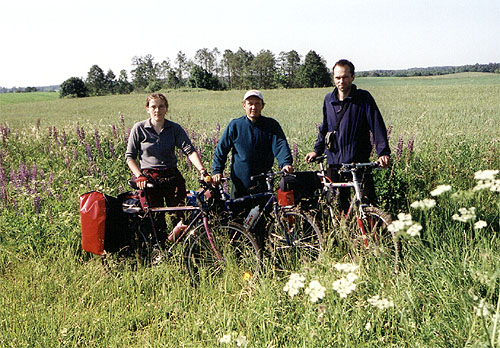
(381, 242)
(230, 248)
(300, 243)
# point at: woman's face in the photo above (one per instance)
(157, 109)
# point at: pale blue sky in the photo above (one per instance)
(46, 42)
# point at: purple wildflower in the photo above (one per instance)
(89, 152)
(75, 155)
(217, 127)
(38, 124)
(64, 138)
(111, 149)
(50, 132)
(67, 161)
(37, 205)
(51, 178)
(114, 131)
(399, 149)
(97, 142)
(14, 205)
(410, 144)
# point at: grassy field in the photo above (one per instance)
(446, 294)
(18, 98)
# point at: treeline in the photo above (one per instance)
(209, 69)
(432, 71)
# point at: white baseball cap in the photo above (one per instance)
(253, 93)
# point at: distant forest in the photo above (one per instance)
(432, 71)
(215, 70)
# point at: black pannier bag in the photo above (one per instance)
(104, 223)
(304, 185)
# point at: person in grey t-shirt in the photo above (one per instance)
(153, 142)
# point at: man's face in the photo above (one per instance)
(343, 78)
(253, 107)
(157, 109)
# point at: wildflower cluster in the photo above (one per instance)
(240, 340)
(424, 204)
(405, 224)
(439, 190)
(486, 180)
(466, 214)
(345, 285)
(296, 282)
(380, 303)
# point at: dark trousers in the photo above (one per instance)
(344, 193)
(169, 190)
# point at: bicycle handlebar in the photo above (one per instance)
(271, 175)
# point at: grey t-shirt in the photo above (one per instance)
(157, 151)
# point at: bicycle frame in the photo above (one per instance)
(356, 201)
(201, 215)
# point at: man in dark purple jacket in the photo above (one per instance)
(360, 117)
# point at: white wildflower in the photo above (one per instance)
(346, 267)
(368, 326)
(345, 285)
(440, 190)
(241, 341)
(315, 291)
(414, 230)
(226, 339)
(480, 224)
(405, 224)
(483, 308)
(380, 303)
(295, 283)
(465, 214)
(424, 204)
(485, 174)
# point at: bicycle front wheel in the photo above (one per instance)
(295, 239)
(225, 249)
(376, 237)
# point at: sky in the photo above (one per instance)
(46, 42)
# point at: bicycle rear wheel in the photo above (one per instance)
(294, 239)
(227, 249)
(377, 238)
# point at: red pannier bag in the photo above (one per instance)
(93, 221)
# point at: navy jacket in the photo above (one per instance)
(254, 147)
(353, 135)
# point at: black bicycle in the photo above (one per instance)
(293, 239)
(209, 247)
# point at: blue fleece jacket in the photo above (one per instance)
(353, 136)
(254, 147)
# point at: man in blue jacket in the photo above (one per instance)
(353, 114)
(254, 141)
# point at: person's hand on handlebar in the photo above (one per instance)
(216, 179)
(310, 156)
(288, 168)
(141, 182)
(383, 161)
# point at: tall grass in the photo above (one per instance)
(53, 294)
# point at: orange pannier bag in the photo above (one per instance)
(93, 221)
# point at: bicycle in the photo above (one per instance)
(209, 248)
(370, 221)
(292, 235)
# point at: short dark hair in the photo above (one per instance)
(156, 96)
(345, 62)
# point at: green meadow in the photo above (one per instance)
(444, 131)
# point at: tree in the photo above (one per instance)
(145, 71)
(123, 85)
(200, 78)
(111, 83)
(314, 72)
(182, 64)
(288, 66)
(73, 87)
(96, 81)
(263, 69)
